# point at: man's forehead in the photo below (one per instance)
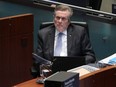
(62, 13)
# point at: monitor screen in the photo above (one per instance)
(66, 63)
(94, 4)
(82, 3)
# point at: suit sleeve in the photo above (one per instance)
(87, 48)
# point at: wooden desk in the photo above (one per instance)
(105, 77)
(30, 83)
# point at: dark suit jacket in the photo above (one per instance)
(78, 43)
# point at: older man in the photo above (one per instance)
(74, 40)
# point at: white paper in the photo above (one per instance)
(107, 59)
(83, 70)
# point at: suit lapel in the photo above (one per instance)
(51, 41)
(69, 39)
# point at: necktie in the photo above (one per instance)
(58, 45)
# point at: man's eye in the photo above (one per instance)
(57, 17)
(63, 18)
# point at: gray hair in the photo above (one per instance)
(64, 8)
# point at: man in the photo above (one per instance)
(75, 41)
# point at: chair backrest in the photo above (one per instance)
(83, 24)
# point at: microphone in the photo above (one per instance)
(41, 60)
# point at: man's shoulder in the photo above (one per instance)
(76, 26)
(79, 29)
(47, 29)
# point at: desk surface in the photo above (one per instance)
(83, 79)
(30, 83)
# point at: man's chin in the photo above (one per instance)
(60, 30)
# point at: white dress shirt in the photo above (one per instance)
(64, 42)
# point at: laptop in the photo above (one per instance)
(66, 63)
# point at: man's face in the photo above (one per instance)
(61, 20)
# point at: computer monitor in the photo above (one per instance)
(82, 3)
(66, 63)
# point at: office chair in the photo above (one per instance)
(83, 24)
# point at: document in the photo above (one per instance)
(110, 60)
(41, 60)
(83, 70)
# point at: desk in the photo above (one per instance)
(105, 77)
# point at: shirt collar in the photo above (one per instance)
(57, 32)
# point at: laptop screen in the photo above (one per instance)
(66, 63)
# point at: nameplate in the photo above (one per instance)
(62, 79)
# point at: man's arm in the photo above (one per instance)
(87, 48)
